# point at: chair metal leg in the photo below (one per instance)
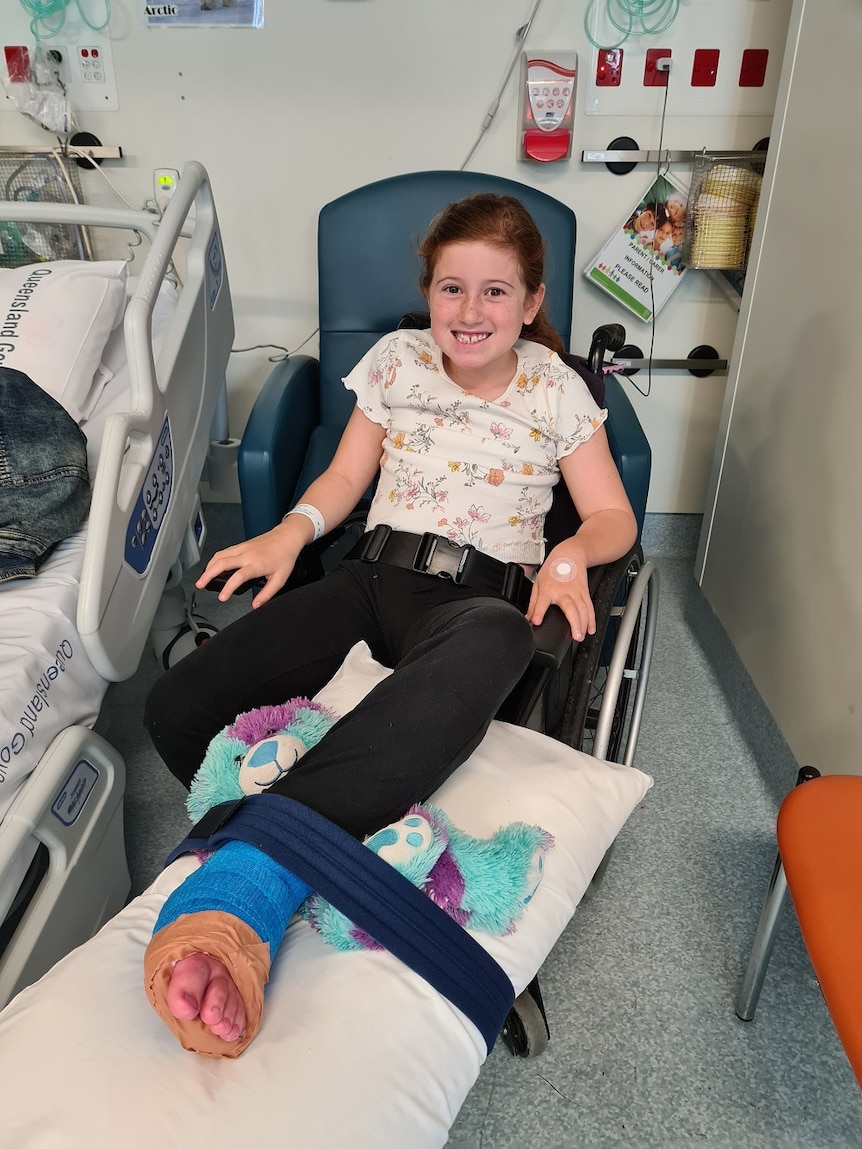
(764, 940)
(767, 927)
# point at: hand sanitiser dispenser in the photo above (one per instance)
(547, 98)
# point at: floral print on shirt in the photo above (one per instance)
(475, 470)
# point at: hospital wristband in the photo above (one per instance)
(311, 513)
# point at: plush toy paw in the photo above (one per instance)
(499, 876)
(482, 883)
(255, 751)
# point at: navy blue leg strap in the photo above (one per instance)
(373, 894)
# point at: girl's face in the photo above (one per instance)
(676, 211)
(478, 304)
(645, 221)
(662, 234)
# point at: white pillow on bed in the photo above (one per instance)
(55, 319)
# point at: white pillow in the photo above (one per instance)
(55, 319)
(517, 774)
(360, 1027)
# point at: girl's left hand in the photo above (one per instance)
(562, 581)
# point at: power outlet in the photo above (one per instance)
(87, 73)
(609, 67)
(654, 75)
(90, 64)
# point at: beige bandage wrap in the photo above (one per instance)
(229, 940)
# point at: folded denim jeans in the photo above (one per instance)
(44, 482)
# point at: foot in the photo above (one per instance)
(201, 987)
(204, 975)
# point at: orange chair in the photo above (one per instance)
(820, 863)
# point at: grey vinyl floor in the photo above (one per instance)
(645, 1050)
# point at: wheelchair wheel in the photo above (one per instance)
(187, 639)
(525, 1030)
(608, 682)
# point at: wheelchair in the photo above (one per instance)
(589, 695)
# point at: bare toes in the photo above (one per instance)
(188, 983)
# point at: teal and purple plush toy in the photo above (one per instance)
(482, 883)
(255, 750)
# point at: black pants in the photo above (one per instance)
(456, 656)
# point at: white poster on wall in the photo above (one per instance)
(204, 13)
(641, 265)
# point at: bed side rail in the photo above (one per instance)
(153, 456)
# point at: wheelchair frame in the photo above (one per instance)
(597, 709)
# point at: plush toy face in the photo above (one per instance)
(268, 761)
(255, 751)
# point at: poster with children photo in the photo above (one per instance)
(641, 265)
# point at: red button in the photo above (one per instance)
(546, 146)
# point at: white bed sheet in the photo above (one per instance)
(355, 1049)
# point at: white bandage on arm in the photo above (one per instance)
(311, 513)
(564, 570)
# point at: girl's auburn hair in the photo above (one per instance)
(501, 220)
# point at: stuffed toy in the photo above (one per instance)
(255, 750)
(482, 883)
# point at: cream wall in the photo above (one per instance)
(781, 551)
(334, 93)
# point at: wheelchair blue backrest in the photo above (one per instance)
(368, 270)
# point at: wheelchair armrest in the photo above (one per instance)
(275, 441)
(629, 447)
(552, 638)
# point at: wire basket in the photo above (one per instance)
(49, 179)
(722, 207)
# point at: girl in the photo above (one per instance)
(469, 426)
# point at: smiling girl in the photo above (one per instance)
(468, 426)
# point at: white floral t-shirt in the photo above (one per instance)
(475, 470)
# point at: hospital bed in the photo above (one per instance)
(141, 350)
(355, 1047)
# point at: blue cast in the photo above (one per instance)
(240, 880)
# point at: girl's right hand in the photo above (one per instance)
(269, 556)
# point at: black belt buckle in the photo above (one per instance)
(438, 556)
(375, 542)
(215, 818)
(513, 583)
